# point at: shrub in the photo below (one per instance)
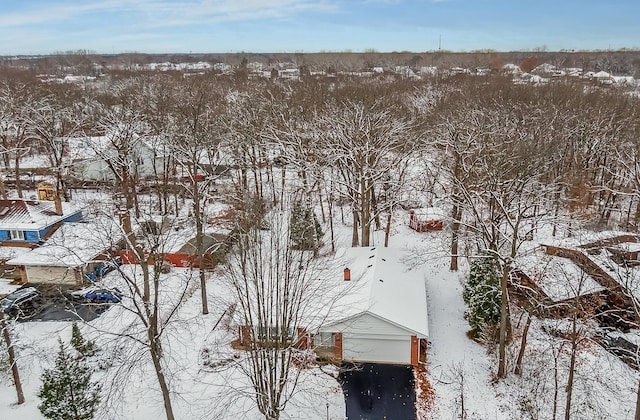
(67, 392)
(482, 295)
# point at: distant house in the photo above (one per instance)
(27, 223)
(382, 316)
(91, 157)
(71, 253)
(602, 77)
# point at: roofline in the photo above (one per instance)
(417, 333)
(40, 226)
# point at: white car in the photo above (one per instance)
(20, 296)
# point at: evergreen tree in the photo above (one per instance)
(482, 294)
(82, 346)
(67, 392)
(305, 230)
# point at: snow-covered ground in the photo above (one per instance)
(460, 370)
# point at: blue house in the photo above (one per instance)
(28, 223)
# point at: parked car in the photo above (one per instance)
(103, 269)
(19, 297)
(99, 294)
(104, 296)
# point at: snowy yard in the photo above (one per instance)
(460, 370)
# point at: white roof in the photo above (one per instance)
(381, 286)
(73, 245)
(560, 278)
(32, 214)
(430, 213)
(602, 74)
(629, 246)
(8, 252)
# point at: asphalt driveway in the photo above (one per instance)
(377, 391)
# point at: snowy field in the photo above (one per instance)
(460, 370)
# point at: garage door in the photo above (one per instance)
(58, 275)
(382, 349)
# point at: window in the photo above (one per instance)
(16, 235)
(324, 339)
(273, 334)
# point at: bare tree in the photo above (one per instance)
(366, 144)
(152, 302)
(275, 289)
(15, 101)
(52, 119)
(196, 138)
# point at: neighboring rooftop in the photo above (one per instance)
(31, 214)
(73, 245)
(558, 277)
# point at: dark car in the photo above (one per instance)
(100, 295)
(20, 297)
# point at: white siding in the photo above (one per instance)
(366, 324)
(53, 275)
(375, 348)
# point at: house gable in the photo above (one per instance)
(365, 324)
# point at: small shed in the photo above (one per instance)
(427, 219)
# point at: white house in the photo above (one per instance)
(90, 157)
(382, 316)
(71, 252)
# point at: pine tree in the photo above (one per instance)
(82, 346)
(67, 392)
(482, 294)
(305, 230)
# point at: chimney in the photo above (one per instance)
(58, 205)
(347, 274)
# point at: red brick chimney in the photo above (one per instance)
(347, 274)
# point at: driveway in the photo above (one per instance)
(377, 391)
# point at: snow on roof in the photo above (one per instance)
(383, 288)
(430, 213)
(558, 277)
(89, 147)
(8, 252)
(545, 68)
(627, 276)
(31, 214)
(511, 68)
(73, 244)
(629, 246)
(6, 287)
(602, 75)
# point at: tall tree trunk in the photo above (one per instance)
(197, 212)
(354, 231)
(365, 213)
(164, 388)
(387, 230)
(12, 358)
(456, 212)
(17, 172)
(504, 319)
(455, 232)
(523, 345)
(572, 365)
(374, 206)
